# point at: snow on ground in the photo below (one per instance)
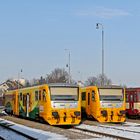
(123, 131)
(10, 135)
(127, 126)
(36, 133)
(126, 130)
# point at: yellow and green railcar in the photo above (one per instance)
(105, 104)
(57, 104)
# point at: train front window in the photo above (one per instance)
(111, 94)
(64, 93)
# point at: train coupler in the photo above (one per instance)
(65, 116)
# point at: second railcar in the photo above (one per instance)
(105, 104)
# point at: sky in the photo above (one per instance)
(34, 35)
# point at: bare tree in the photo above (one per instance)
(58, 76)
(92, 81)
(107, 81)
(98, 80)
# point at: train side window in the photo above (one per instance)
(88, 98)
(24, 100)
(20, 96)
(83, 96)
(40, 95)
(126, 97)
(36, 95)
(131, 97)
(93, 96)
(135, 97)
(138, 94)
(29, 99)
(44, 95)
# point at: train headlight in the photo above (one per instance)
(77, 113)
(122, 112)
(104, 113)
(55, 115)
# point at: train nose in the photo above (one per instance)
(122, 112)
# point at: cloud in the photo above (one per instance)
(102, 12)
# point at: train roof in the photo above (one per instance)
(108, 87)
(49, 85)
(135, 88)
(111, 86)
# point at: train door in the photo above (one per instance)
(16, 105)
(83, 104)
(27, 104)
(93, 103)
(138, 102)
(131, 101)
(127, 101)
(88, 103)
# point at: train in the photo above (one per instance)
(104, 104)
(133, 102)
(56, 104)
(1, 104)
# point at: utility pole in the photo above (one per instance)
(97, 27)
(68, 65)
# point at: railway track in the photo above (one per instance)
(8, 134)
(26, 132)
(89, 130)
(99, 135)
(127, 130)
(12, 133)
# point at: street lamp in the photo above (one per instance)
(97, 27)
(68, 65)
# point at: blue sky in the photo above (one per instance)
(34, 35)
